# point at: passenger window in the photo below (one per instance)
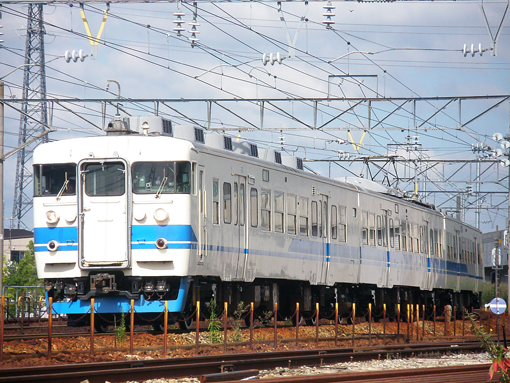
(364, 225)
(52, 179)
(227, 202)
(303, 216)
(392, 234)
(265, 209)
(342, 224)
(254, 208)
(279, 212)
(216, 202)
(315, 228)
(379, 231)
(371, 222)
(334, 222)
(291, 213)
(398, 243)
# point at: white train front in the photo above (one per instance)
(161, 213)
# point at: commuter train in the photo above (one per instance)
(155, 212)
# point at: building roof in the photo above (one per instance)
(17, 233)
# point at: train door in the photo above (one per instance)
(241, 227)
(103, 227)
(324, 254)
(202, 226)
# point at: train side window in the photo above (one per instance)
(254, 208)
(227, 202)
(342, 224)
(265, 209)
(385, 231)
(398, 243)
(436, 242)
(242, 205)
(431, 242)
(354, 213)
(416, 238)
(403, 226)
(392, 233)
(334, 222)
(51, 179)
(323, 229)
(379, 231)
(303, 216)
(315, 228)
(371, 222)
(236, 203)
(364, 225)
(279, 212)
(216, 202)
(291, 213)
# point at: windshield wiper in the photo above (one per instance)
(160, 190)
(64, 187)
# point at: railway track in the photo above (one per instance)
(213, 364)
(461, 374)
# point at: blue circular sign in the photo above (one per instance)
(498, 306)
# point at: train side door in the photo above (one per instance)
(241, 227)
(202, 226)
(103, 227)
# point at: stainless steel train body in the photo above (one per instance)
(177, 216)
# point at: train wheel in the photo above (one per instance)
(186, 323)
(101, 327)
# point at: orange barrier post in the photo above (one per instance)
(50, 323)
(336, 323)
(398, 322)
(165, 328)
(275, 321)
(251, 325)
(417, 316)
(297, 323)
(384, 322)
(370, 323)
(412, 322)
(197, 339)
(317, 323)
(423, 322)
(408, 310)
(2, 314)
(132, 327)
(353, 322)
(225, 325)
(434, 320)
(91, 325)
(455, 321)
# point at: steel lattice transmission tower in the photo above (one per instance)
(34, 115)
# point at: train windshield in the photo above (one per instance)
(161, 177)
(105, 179)
(54, 179)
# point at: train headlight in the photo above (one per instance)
(161, 243)
(52, 245)
(160, 215)
(52, 217)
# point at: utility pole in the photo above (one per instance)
(1, 185)
(34, 116)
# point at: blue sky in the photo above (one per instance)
(415, 51)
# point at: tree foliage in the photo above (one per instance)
(23, 273)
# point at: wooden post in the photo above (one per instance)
(165, 328)
(336, 323)
(132, 327)
(92, 324)
(297, 323)
(317, 323)
(251, 325)
(275, 322)
(370, 323)
(2, 316)
(353, 322)
(225, 325)
(398, 322)
(384, 322)
(197, 340)
(50, 323)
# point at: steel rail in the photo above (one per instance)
(182, 367)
